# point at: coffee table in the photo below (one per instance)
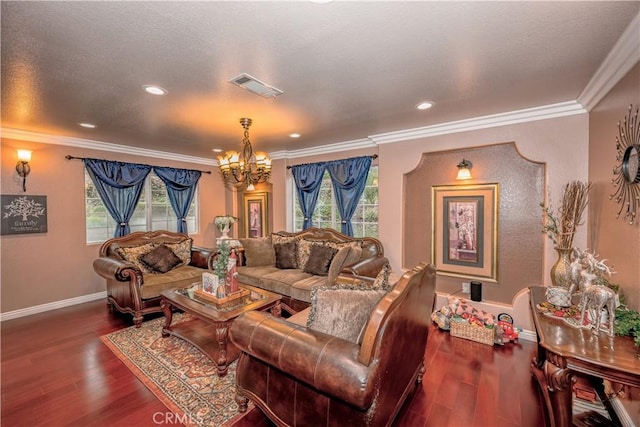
(208, 330)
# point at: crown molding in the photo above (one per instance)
(502, 119)
(323, 149)
(22, 135)
(623, 56)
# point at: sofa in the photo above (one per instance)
(351, 358)
(292, 264)
(139, 266)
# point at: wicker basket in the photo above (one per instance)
(466, 330)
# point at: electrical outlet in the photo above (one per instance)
(466, 287)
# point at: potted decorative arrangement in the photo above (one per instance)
(225, 267)
(221, 265)
(225, 291)
(560, 227)
(224, 223)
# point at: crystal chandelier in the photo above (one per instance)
(246, 169)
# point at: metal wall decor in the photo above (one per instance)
(626, 173)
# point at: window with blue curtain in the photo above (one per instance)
(152, 212)
(327, 215)
(119, 185)
(348, 177)
(181, 187)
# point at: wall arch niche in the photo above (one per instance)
(520, 240)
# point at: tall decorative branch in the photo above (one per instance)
(561, 228)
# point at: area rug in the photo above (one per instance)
(177, 373)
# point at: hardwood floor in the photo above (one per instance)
(56, 372)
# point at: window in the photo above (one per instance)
(326, 214)
(156, 215)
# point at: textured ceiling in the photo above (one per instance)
(348, 69)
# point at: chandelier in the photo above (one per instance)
(247, 168)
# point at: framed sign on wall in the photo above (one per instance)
(23, 214)
(255, 214)
(465, 231)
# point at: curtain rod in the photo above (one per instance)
(69, 157)
(373, 156)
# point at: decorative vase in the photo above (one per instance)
(561, 270)
(225, 231)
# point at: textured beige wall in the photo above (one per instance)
(560, 143)
(44, 268)
(521, 189)
(613, 239)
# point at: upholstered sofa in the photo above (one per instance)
(292, 264)
(352, 358)
(140, 265)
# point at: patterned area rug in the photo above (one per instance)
(180, 375)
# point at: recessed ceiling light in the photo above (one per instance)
(217, 150)
(87, 125)
(424, 105)
(155, 90)
(294, 135)
(321, 1)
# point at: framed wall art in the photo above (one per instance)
(465, 231)
(23, 214)
(255, 213)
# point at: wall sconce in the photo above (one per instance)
(464, 169)
(23, 168)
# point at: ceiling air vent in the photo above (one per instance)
(254, 85)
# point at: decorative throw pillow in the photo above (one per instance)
(132, 254)
(342, 310)
(258, 251)
(382, 279)
(347, 255)
(286, 255)
(277, 238)
(182, 250)
(304, 250)
(160, 260)
(319, 261)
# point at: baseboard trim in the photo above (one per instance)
(528, 335)
(23, 312)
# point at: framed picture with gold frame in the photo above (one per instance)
(255, 213)
(465, 231)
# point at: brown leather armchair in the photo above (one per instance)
(298, 376)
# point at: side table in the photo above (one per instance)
(565, 351)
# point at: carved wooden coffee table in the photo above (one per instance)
(208, 330)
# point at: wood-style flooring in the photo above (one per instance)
(57, 372)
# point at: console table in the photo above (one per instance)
(565, 351)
